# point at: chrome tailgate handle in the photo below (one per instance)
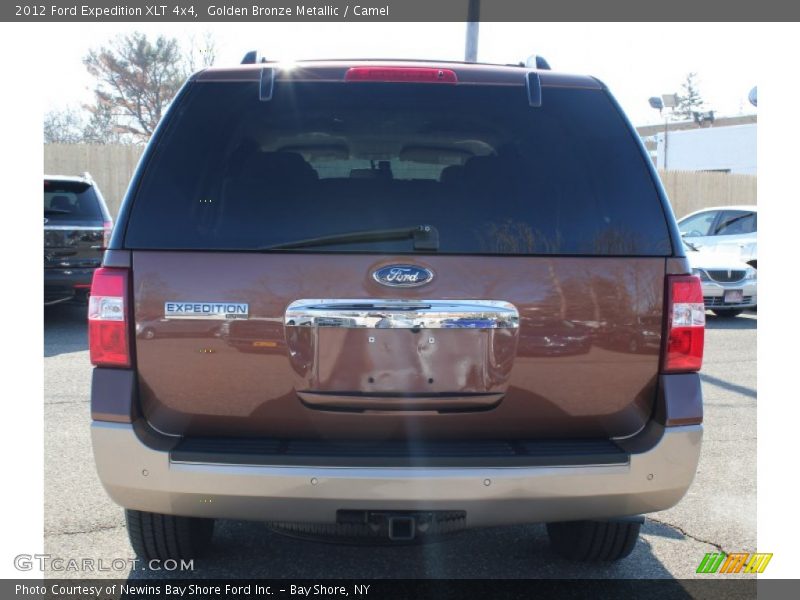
(402, 314)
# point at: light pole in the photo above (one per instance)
(473, 21)
(660, 103)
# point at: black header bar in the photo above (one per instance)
(198, 11)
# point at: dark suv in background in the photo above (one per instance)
(462, 296)
(77, 228)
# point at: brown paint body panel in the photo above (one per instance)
(583, 362)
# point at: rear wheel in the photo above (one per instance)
(727, 312)
(594, 541)
(157, 536)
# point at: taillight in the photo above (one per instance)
(108, 226)
(401, 74)
(686, 320)
(108, 319)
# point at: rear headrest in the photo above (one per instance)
(452, 174)
(61, 202)
(279, 166)
(482, 165)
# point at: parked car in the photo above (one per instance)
(166, 328)
(642, 335)
(255, 335)
(729, 285)
(434, 364)
(725, 229)
(77, 228)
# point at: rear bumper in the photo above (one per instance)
(61, 285)
(139, 476)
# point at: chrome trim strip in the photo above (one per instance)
(402, 314)
(72, 228)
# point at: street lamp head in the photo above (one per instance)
(753, 96)
(670, 100)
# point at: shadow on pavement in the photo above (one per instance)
(747, 320)
(65, 329)
(252, 550)
(739, 389)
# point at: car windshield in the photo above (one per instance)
(488, 172)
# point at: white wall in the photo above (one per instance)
(711, 148)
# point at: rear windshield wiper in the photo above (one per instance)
(56, 211)
(426, 237)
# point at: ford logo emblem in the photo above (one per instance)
(402, 275)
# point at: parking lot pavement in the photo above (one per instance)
(719, 512)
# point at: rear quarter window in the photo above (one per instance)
(492, 174)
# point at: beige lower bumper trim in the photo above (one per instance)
(139, 477)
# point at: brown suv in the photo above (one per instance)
(440, 274)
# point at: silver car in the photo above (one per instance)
(728, 229)
(729, 285)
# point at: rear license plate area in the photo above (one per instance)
(410, 361)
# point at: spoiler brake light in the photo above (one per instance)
(401, 74)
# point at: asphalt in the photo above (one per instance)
(718, 513)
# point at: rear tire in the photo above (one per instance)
(594, 541)
(157, 536)
(727, 312)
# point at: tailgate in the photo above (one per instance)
(312, 346)
(73, 246)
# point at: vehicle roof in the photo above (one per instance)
(751, 207)
(72, 178)
(334, 69)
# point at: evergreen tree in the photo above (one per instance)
(689, 99)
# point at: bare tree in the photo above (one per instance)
(102, 127)
(136, 80)
(202, 52)
(63, 126)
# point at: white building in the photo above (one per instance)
(730, 149)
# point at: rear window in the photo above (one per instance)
(70, 201)
(490, 173)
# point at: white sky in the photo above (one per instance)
(636, 60)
